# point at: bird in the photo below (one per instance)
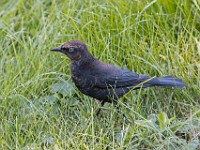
(103, 81)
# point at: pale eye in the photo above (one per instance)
(71, 49)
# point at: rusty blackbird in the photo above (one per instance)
(106, 82)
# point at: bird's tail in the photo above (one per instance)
(170, 81)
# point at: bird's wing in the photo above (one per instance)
(126, 78)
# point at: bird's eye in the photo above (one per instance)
(71, 49)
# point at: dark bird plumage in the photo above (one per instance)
(103, 81)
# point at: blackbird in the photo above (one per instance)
(106, 82)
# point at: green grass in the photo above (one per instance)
(40, 108)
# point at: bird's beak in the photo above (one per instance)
(57, 49)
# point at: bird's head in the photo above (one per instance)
(74, 49)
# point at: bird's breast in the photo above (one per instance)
(83, 80)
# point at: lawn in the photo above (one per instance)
(40, 107)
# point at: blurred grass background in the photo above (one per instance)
(40, 108)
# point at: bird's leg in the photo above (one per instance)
(98, 111)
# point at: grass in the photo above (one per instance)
(40, 108)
